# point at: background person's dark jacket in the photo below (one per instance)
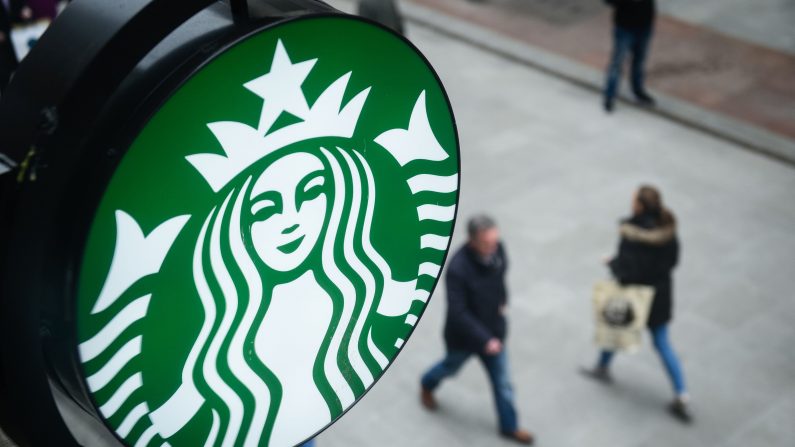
(8, 58)
(14, 10)
(476, 293)
(647, 262)
(633, 14)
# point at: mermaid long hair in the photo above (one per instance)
(234, 291)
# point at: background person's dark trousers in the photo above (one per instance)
(627, 40)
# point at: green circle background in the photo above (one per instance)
(154, 182)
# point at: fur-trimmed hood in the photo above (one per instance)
(649, 236)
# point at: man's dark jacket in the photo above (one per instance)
(476, 293)
(633, 14)
(648, 264)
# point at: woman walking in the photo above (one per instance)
(647, 254)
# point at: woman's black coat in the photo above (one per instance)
(647, 253)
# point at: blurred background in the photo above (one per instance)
(541, 155)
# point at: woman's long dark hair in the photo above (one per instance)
(650, 199)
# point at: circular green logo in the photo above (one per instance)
(269, 240)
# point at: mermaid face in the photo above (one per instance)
(288, 205)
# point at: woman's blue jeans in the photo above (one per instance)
(667, 355)
(497, 369)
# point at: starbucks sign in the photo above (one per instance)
(269, 239)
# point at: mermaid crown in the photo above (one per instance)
(280, 89)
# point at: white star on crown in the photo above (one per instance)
(281, 91)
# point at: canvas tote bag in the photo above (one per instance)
(621, 313)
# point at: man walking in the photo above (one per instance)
(476, 299)
(633, 22)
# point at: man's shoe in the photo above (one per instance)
(599, 374)
(645, 99)
(679, 409)
(427, 399)
(520, 436)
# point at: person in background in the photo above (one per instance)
(19, 13)
(476, 325)
(11, 13)
(647, 254)
(43, 9)
(633, 22)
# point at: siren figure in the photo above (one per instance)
(290, 235)
(294, 221)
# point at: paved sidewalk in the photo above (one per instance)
(539, 154)
(764, 22)
(739, 90)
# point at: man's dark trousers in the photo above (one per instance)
(497, 368)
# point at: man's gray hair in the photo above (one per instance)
(478, 223)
